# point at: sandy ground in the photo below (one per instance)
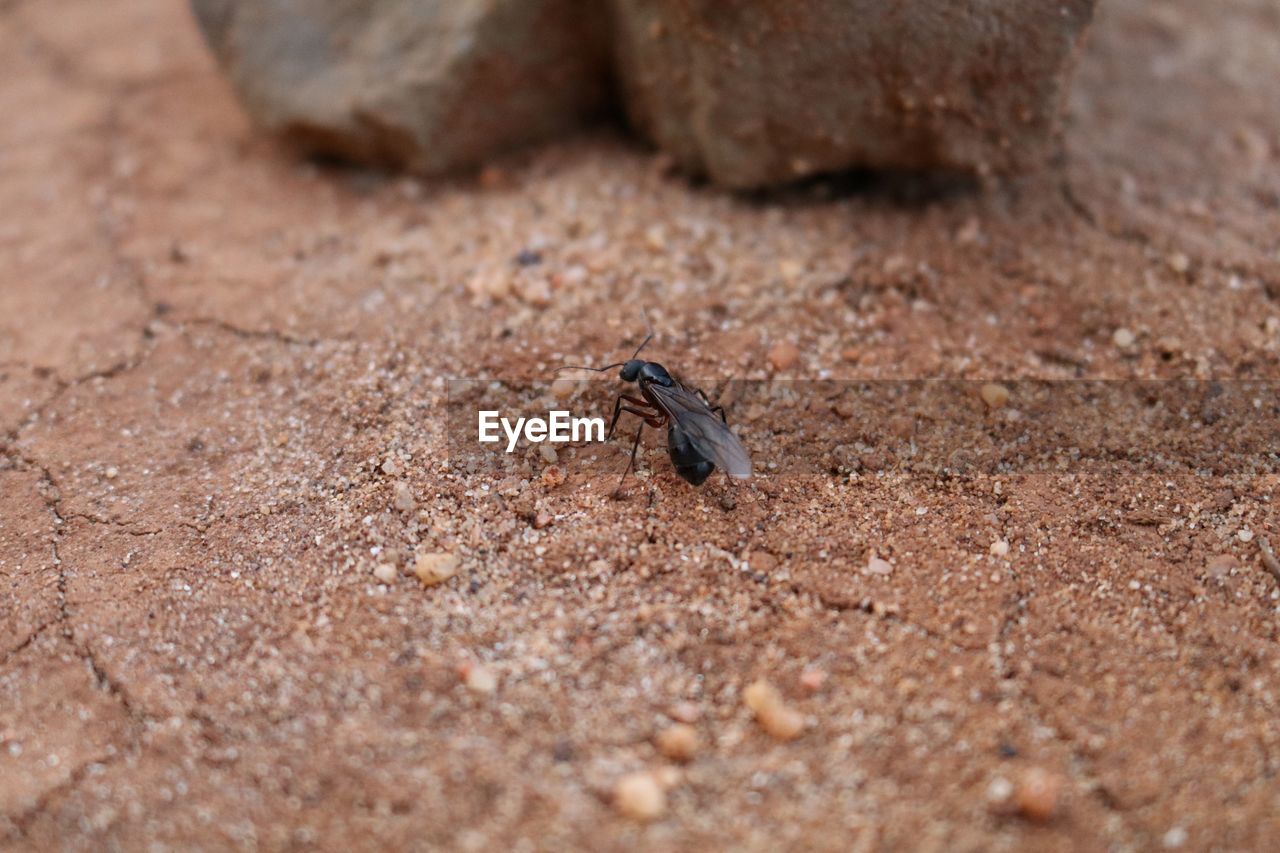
(222, 401)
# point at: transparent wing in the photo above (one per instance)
(708, 434)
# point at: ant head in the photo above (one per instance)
(631, 370)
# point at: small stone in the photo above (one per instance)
(1123, 338)
(656, 237)
(678, 742)
(112, 472)
(552, 476)
(728, 502)
(435, 567)
(1179, 263)
(478, 678)
(790, 269)
(813, 679)
(782, 723)
(999, 791)
(851, 354)
(639, 796)
(1174, 838)
(535, 291)
(391, 467)
(563, 389)
(490, 284)
(528, 258)
(771, 712)
(384, 572)
(1245, 535)
(783, 355)
(548, 454)
(1036, 795)
(878, 566)
(541, 520)
(402, 497)
(995, 395)
(1000, 548)
(685, 712)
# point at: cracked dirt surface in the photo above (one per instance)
(208, 351)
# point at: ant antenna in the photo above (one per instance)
(643, 344)
(649, 326)
(594, 369)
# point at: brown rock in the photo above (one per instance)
(430, 86)
(778, 90)
(1036, 795)
(678, 742)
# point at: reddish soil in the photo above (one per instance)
(209, 351)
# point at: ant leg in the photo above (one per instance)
(618, 409)
(716, 409)
(631, 463)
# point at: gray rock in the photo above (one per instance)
(753, 92)
(429, 85)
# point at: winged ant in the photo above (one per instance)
(698, 434)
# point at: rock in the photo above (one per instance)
(685, 712)
(1123, 338)
(879, 566)
(434, 567)
(428, 85)
(771, 711)
(994, 395)
(640, 796)
(402, 497)
(813, 680)
(384, 572)
(678, 742)
(1036, 795)
(783, 355)
(478, 678)
(777, 90)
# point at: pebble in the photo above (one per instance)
(548, 454)
(1179, 263)
(552, 476)
(878, 566)
(541, 520)
(999, 791)
(678, 742)
(478, 678)
(771, 712)
(489, 283)
(790, 269)
(1123, 338)
(1245, 535)
(994, 395)
(813, 679)
(639, 796)
(112, 472)
(1174, 838)
(384, 572)
(1000, 548)
(851, 354)
(685, 712)
(1036, 795)
(563, 389)
(435, 567)
(402, 497)
(783, 355)
(391, 467)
